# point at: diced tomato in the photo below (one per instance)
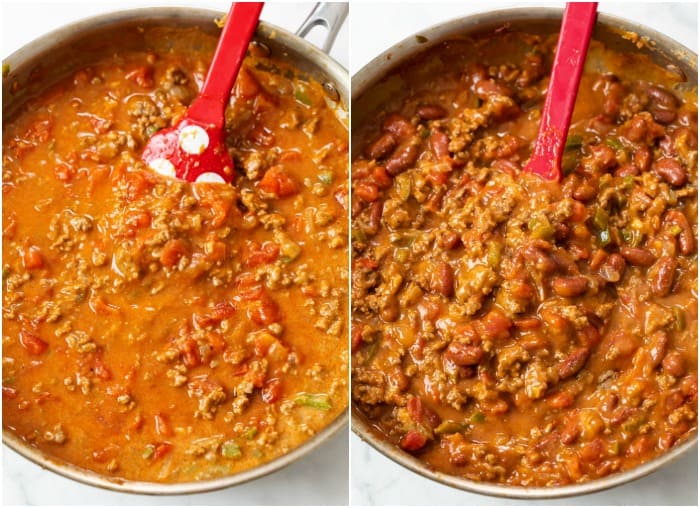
(33, 258)
(101, 370)
(9, 392)
(142, 76)
(277, 181)
(162, 425)
(413, 441)
(260, 255)
(190, 353)
(264, 311)
(356, 337)
(162, 449)
(494, 325)
(99, 306)
(136, 185)
(32, 343)
(272, 391)
(437, 177)
(415, 408)
(172, 252)
(262, 343)
(368, 263)
(247, 86)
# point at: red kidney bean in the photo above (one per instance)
(604, 156)
(689, 136)
(584, 192)
(540, 259)
(375, 217)
(662, 274)
(673, 364)
(382, 146)
(442, 281)
(402, 158)
(571, 430)
(637, 129)
(662, 97)
(638, 256)
(642, 158)
(399, 126)
(671, 170)
(613, 268)
(662, 116)
(449, 240)
(431, 112)
(439, 143)
(686, 239)
(573, 363)
(560, 400)
(464, 354)
(570, 286)
(485, 88)
(367, 191)
(639, 446)
(657, 347)
(627, 170)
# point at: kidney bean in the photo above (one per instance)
(560, 400)
(485, 88)
(382, 146)
(442, 280)
(639, 446)
(614, 92)
(402, 158)
(571, 430)
(390, 311)
(573, 363)
(397, 379)
(449, 240)
(674, 400)
(570, 286)
(671, 170)
(431, 112)
(673, 364)
(375, 217)
(540, 259)
(684, 135)
(494, 325)
(439, 143)
(689, 386)
(662, 116)
(584, 192)
(463, 354)
(657, 347)
(638, 256)
(642, 158)
(662, 97)
(593, 451)
(627, 170)
(686, 239)
(613, 268)
(636, 129)
(662, 274)
(399, 126)
(367, 191)
(604, 156)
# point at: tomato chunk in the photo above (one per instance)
(32, 343)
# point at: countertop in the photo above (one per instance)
(376, 480)
(320, 478)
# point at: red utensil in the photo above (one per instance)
(194, 148)
(574, 36)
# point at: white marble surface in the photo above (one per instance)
(376, 480)
(319, 478)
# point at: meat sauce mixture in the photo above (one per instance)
(510, 330)
(157, 330)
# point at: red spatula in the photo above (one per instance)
(194, 148)
(574, 36)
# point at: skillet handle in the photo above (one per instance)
(328, 14)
